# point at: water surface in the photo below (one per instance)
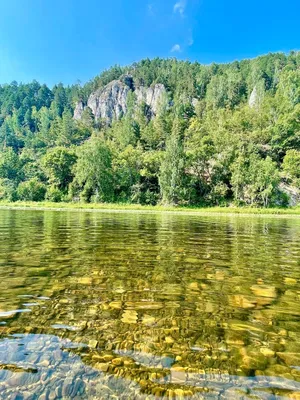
(144, 306)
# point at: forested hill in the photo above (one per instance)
(158, 131)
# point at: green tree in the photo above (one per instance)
(8, 136)
(93, 171)
(10, 166)
(127, 171)
(66, 129)
(254, 180)
(60, 100)
(31, 190)
(172, 174)
(224, 149)
(58, 166)
(8, 190)
(291, 166)
(30, 160)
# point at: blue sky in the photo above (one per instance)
(68, 40)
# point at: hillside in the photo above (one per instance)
(157, 131)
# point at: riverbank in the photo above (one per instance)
(147, 209)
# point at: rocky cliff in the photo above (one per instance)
(110, 103)
(253, 98)
(78, 110)
(293, 194)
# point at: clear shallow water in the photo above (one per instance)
(122, 305)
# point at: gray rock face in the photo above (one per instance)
(78, 110)
(254, 98)
(292, 193)
(152, 96)
(110, 103)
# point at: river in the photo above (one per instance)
(142, 306)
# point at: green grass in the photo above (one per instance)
(159, 208)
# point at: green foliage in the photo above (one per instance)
(107, 76)
(88, 119)
(289, 87)
(126, 166)
(31, 190)
(171, 177)
(254, 180)
(9, 165)
(93, 171)
(291, 166)
(8, 190)
(58, 164)
(31, 165)
(225, 90)
(54, 194)
(286, 132)
(205, 145)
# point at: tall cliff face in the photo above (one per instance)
(78, 110)
(110, 103)
(152, 96)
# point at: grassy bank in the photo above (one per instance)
(137, 207)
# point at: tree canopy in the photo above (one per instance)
(225, 133)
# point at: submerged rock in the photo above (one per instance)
(264, 291)
(289, 359)
(129, 317)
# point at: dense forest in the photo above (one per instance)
(223, 134)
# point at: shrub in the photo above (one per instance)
(32, 190)
(8, 190)
(54, 194)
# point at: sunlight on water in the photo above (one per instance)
(104, 305)
(45, 364)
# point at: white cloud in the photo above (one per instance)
(176, 48)
(151, 11)
(180, 7)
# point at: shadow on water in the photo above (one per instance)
(148, 306)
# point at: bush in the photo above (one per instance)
(8, 190)
(54, 194)
(150, 198)
(291, 167)
(32, 190)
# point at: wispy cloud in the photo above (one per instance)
(190, 40)
(150, 9)
(179, 7)
(176, 48)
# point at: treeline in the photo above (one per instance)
(224, 133)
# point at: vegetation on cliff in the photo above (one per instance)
(222, 134)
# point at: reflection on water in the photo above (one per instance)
(104, 305)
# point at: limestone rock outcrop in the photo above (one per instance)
(292, 193)
(110, 103)
(78, 110)
(151, 96)
(253, 98)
